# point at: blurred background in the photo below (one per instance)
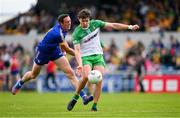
(154, 49)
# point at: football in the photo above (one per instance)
(94, 76)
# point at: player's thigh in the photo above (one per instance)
(87, 61)
(86, 70)
(63, 64)
(99, 63)
(100, 68)
(36, 69)
(98, 60)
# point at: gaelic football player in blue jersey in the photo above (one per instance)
(49, 50)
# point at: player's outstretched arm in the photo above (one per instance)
(64, 46)
(120, 26)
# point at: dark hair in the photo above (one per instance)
(61, 17)
(84, 13)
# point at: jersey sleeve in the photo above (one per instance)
(75, 38)
(100, 23)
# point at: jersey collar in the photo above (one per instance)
(62, 28)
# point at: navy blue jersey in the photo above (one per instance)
(53, 38)
(48, 49)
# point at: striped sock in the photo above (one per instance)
(82, 94)
(21, 82)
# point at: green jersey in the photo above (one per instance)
(88, 38)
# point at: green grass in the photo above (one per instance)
(31, 104)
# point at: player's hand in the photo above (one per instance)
(64, 53)
(135, 27)
(79, 70)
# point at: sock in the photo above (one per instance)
(88, 92)
(21, 82)
(82, 94)
(76, 97)
(94, 105)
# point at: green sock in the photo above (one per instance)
(94, 105)
(76, 97)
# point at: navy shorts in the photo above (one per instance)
(43, 57)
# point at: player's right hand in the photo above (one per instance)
(135, 27)
(79, 70)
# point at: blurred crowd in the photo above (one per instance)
(151, 15)
(157, 57)
(15, 59)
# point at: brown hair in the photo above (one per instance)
(61, 17)
(84, 13)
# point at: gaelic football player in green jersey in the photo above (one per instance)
(89, 85)
(88, 51)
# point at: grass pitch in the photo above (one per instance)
(51, 105)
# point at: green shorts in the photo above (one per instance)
(93, 60)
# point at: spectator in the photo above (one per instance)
(51, 74)
(152, 16)
(14, 68)
(128, 44)
(178, 62)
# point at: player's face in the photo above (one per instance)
(67, 23)
(84, 22)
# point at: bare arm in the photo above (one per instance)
(120, 26)
(65, 46)
(78, 54)
(78, 59)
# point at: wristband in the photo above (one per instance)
(130, 27)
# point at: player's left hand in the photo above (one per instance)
(79, 70)
(135, 27)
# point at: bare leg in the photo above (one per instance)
(98, 88)
(86, 70)
(64, 65)
(32, 74)
(90, 88)
(82, 83)
(27, 76)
